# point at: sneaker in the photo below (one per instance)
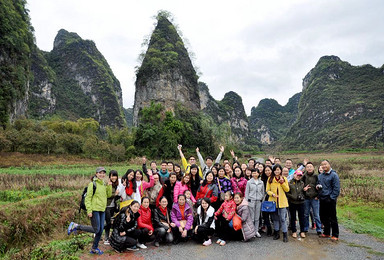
(223, 243)
(334, 238)
(157, 244)
(96, 252)
(207, 243)
(133, 248)
(72, 228)
(258, 234)
(218, 241)
(318, 233)
(324, 236)
(302, 234)
(142, 246)
(294, 235)
(106, 242)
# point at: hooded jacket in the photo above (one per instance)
(247, 228)
(97, 201)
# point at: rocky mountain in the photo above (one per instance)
(269, 122)
(166, 75)
(228, 113)
(16, 46)
(85, 84)
(341, 106)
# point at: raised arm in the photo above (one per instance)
(218, 158)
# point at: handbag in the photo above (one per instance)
(237, 223)
(268, 206)
(222, 194)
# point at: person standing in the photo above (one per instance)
(95, 203)
(254, 194)
(277, 186)
(329, 190)
(310, 180)
(208, 164)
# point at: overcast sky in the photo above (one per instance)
(259, 49)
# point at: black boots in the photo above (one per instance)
(269, 231)
(285, 237)
(276, 235)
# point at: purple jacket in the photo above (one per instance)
(176, 215)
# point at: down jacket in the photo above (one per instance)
(118, 242)
(247, 228)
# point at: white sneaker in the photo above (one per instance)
(258, 234)
(207, 243)
(142, 246)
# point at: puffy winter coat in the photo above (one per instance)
(239, 185)
(247, 228)
(210, 190)
(227, 209)
(121, 225)
(158, 217)
(145, 219)
(179, 189)
(208, 221)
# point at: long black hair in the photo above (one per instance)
(125, 177)
(205, 179)
(202, 212)
(273, 172)
(114, 173)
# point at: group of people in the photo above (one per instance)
(229, 201)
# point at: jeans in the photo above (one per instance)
(328, 217)
(97, 222)
(315, 205)
(280, 219)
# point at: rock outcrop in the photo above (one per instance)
(269, 121)
(85, 85)
(166, 74)
(341, 106)
(228, 112)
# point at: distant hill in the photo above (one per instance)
(269, 122)
(341, 106)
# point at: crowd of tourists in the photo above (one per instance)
(210, 201)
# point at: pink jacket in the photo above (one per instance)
(239, 186)
(179, 189)
(146, 185)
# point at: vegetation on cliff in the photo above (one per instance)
(16, 45)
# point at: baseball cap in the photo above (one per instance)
(100, 169)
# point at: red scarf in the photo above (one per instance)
(277, 179)
(164, 211)
(129, 189)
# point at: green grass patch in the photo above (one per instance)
(56, 249)
(18, 195)
(84, 170)
(362, 217)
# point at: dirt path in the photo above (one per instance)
(350, 246)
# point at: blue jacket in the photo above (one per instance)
(331, 185)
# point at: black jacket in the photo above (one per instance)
(158, 216)
(312, 180)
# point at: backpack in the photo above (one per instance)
(82, 202)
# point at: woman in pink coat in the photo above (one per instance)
(182, 186)
(239, 183)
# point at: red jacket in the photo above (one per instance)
(145, 220)
(227, 209)
(209, 190)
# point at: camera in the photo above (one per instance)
(319, 186)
